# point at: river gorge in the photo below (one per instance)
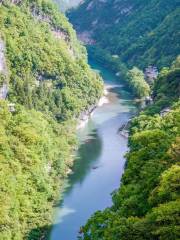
(99, 162)
(89, 120)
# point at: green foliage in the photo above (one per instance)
(34, 158)
(44, 66)
(105, 58)
(147, 204)
(130, 33)
(139, 32)
(166, 89)
(167, 86)
(134, 78)
(168, 189)
(137, 82)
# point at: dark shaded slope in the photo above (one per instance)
(139, 32)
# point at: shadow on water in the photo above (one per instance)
(126, 97)
(83, 163)
(87, 156)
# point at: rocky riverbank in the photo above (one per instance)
(84, 117)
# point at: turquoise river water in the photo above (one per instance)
(99, 163)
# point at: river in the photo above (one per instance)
(99, 163)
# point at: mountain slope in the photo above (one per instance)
(45, 59)
(139, 32)
(45, 83)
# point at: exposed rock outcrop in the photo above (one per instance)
(3, 72)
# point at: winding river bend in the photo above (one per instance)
(100, 160)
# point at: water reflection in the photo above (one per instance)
(87, 157)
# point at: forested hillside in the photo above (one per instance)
(45, 59)
(45, 83)
(147, 204)
(137, 32)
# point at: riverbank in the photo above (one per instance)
(84, 118)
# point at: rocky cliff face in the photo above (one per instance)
(3, 72)
(2, 57)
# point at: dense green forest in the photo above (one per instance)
(45, 83)
(147, 204)
(123, 34)
(139, 32)
(46, 60)
(35, 154)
